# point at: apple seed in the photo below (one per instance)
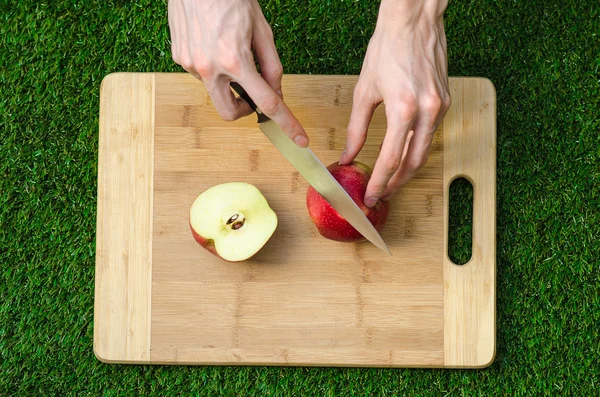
(232, 219)
(236, 221)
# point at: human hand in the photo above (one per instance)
(213, 40)
(406, 68)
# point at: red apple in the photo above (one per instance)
(353, 178)
(232, 220)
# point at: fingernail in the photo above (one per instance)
(371, 201)
(279, 92)
(301, 141)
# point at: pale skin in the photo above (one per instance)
(405, 68)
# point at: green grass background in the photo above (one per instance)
(543, 57)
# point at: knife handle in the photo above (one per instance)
(244, 95)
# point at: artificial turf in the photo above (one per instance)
(542, 56)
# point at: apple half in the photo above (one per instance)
(232, 220)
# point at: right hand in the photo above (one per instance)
(213, 40)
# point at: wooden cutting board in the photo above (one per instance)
(303, 300)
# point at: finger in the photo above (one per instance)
(417, 153)
(173, 30)
(195, 62)
(442, 65)
(228, 106)
(444, 89)
(271, 69)
(390, 157)
(360, 118)
(418, 147)
(443, 36)
(179, 37)
(442, 62)
(272, 105)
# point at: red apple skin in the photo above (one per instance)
(354, 178)
(205, 243)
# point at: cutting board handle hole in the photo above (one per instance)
(460, 222)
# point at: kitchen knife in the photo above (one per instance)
(319, 177)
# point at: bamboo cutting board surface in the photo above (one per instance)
(303, 300)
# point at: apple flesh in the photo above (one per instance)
(330, 224)
(232, 220)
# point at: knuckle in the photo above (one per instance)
(230, 62)
(446, 102)
(432, 104)
(417, 163)
(377, 189)
(354, 133)
(406, 108)
(184, 61)
(365, 95)
(291, 129)
(204, 68)
(187, 65)
(227, 114)
(360, 92)
(270, 104)
(277, 71)
(391, 163)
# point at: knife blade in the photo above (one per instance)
(316, 174)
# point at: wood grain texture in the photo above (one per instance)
(303, 300)
(470, 290)
(124, 219)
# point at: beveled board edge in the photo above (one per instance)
(122, 304)
(470, 289)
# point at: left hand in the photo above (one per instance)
(406, 68)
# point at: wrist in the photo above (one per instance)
(398, 14)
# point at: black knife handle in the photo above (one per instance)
(244, 95)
